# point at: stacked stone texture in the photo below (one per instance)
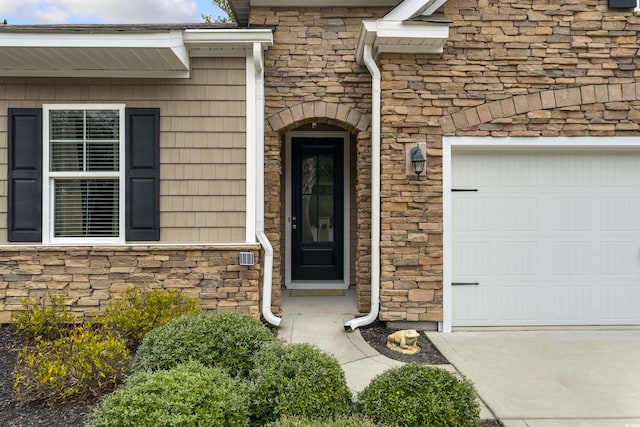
(311, 76)
(89, 277)
(510, 68)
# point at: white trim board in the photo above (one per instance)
(329, 284)
(451, 144)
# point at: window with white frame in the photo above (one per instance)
(84, 179)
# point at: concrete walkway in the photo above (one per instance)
(563, 378)
(320, 321)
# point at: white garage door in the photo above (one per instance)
(548, 238)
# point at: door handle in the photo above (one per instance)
(295, 227)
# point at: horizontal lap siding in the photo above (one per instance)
(202, 141)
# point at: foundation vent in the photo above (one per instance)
(247, 258)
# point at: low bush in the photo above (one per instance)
(339, 422)
(81, 365)
(136, 312)
(297, 380)
(45, 318)
(420, 396)
(225, 340)
(188, 395)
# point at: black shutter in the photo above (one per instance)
(142, 191)
(24, 207)
(622, 4)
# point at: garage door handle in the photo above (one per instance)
(463, 189)
(465, 284)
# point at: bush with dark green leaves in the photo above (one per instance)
(420, 396)
(353, 421)
(187, 395)
(136, 312)
(297, 380)
(225, 340)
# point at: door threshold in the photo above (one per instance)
(313, 284)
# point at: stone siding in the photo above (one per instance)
(88, 277)
(510, 68)
(311, 76)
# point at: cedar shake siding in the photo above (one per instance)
(202, 141)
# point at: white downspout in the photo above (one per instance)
(375, 194)
(267, 274)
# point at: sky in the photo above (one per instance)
(105, 11)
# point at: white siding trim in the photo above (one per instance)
(250, 151)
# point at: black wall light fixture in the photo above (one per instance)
(417, 160)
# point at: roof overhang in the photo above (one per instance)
(410, 37)
(96, 51)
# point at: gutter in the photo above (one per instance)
(375, 194)
(267, 275)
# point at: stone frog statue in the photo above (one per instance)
(404, 341)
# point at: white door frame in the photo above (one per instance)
(450, 144)
(311, 284)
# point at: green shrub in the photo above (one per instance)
(339, 422)
(187, 395)
(420, 396)
(225, 340)
(137, 312)
(44, 318)
(298, 380)
(79, 366)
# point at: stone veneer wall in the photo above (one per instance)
(311, 76)
(88, 277)
(510, 68)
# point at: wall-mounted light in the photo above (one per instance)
(417, 160)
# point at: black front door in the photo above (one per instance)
(317, 211)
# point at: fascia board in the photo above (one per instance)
(90, 40)
(200, 37)
(387, 29)
(367, 36)
(411, 8)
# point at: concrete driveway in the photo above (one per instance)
(562, 378)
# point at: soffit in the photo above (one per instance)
(118, 51)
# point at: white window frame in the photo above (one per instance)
(48, 177)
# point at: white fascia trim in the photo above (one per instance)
(324, 3)
(221, 38)
(411, 8)
(375, 33)
(450, 143)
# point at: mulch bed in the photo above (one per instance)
(376, 335)
(36, 414)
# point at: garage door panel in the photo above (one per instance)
(516, 258)
(619, 259)
(475, 259)
(518, 303)
(481, 221)
(619, 303)
(573, 258)
(518, 213)
(617, 213)
(551, 238)
(572, 213)
(572, 304)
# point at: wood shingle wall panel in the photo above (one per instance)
(202, 141)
